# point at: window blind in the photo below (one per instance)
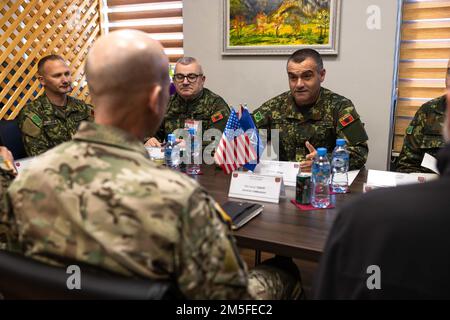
(424, 54)
(161, 19)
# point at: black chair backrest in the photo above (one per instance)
(11, 137)
(25, 278)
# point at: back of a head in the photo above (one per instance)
(302, 54)
(122, 64)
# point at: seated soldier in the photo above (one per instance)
(191, 103)
(99, 200)
(310, 116)
(53, 117)
(423, 135)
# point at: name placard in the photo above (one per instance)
(257, 187)
(288, 170)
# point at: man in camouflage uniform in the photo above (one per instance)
(310, 116)
(191, 102)
(54, 116)
(98, 199)
(423, 135)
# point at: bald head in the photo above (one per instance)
(125, 61)
(128, 79)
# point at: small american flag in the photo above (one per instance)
(234, 149)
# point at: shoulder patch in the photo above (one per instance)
(258, 117)
(217, 117)
(346, 119)
(36, 119)
(30, 128)
(409, 130)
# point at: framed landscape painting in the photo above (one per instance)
(279, 27)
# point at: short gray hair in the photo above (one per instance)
(185, 61)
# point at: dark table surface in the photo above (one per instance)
(282, 228)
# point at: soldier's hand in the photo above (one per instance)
(6, 154)
(306, 165)
(7, 160)
(152, 142)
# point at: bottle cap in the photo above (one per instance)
(171, 137)
(340, 142)
(321, 151)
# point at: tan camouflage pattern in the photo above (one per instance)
(99, 200)
(45, 126)
(202, 108)
(424, 135)
(319, 124)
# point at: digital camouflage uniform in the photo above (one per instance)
(208, 107)
(99, 200)
(331, 117)
(423, 135)
(44, 125)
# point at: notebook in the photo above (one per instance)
(241, 212)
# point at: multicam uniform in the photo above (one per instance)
(99, 200)
(44, 125)
(423, 135)
(332, 116)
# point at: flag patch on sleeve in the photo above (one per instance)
(346, 120)
(409, 130)
(216, 117)
(258, 116)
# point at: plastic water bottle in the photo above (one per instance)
(171, 157)
(339, 167)
(193, 167)
(320, 193)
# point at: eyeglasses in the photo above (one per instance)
(191, 77)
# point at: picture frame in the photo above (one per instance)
(280, 27)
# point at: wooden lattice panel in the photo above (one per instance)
(32, 29)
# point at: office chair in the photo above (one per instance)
(11, 137)
(25, 278)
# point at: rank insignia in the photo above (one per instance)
(217, 117)
(346, 120)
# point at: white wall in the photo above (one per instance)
(362, 71)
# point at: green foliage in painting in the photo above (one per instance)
(279, 22)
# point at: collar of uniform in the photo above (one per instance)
(313, 112)
(441, 105)
(92, 132)
(70, 106)
(190, 103)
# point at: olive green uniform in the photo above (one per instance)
(423, 135)
(332, 116)
(45, 125)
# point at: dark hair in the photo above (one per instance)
(302, 54)
(51, 57)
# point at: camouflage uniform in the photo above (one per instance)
(208, 107)
(99, 200)
(44, 125)
(331, 117)
(424, 135)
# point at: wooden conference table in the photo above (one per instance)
(282, 228)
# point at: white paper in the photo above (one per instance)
(155, 152)
(429, 162)
(257, 187)
(288, 170)
(377, 178)
(352, 176)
